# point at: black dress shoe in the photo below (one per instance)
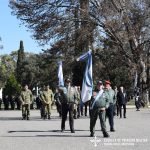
(92, 134)
(112, 130)
(72, 131)
(28, 118)
(125, 117)
(105, 134)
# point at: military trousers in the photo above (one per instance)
(25, 110)
(76, 110)
(67, 107)
(94, 113)
(46, 108)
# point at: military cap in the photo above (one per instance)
(99, 82)
(107, 82)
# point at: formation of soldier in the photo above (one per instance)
(104, 103)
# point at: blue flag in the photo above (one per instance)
(60, 74)
(87, 84)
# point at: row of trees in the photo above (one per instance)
(117, 31)
(20, 68)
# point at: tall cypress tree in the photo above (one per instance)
(20, 62)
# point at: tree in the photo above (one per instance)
(12, 87)
(20, 63)
(7, 67)
(123, 26)
(117, 24)
(1, 46)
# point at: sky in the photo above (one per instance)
(12, 32)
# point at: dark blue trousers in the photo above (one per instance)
(110, 115)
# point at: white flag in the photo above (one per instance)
(87, 84)
(60, 74)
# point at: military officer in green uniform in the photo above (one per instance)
(98, 105)
(68, 97)
(26, 99)
(112, 102)
(47, 97)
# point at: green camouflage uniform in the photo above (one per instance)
(26, 99)
(47, 98)
(77, 105)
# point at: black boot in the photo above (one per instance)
(49, 117)
(24, 117)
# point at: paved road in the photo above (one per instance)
(132, 133)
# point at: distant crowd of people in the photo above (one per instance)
(10, 103)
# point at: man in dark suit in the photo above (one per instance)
(122, 100)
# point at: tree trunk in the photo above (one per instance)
(84, 14)
(148, 76)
